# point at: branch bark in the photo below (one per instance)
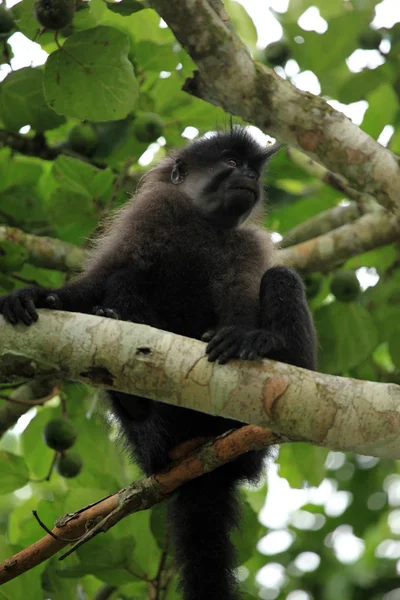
(228, 77)
(46, 252)
(141, 495)
(319, 254)
(339, 413)
(334, 248)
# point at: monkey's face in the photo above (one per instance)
(225, 191)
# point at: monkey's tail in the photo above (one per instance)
(202, 514)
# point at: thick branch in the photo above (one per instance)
(228, 77)
(320, 254)
(340, 413)
(141, 495)
(329, 250)
(323, 222)
(46, 252)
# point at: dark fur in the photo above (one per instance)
(163, 263)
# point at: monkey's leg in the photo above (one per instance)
(284, 331)
(284, 312)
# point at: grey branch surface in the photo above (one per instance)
(46, 252)
(318, 254)
(340, 413)
(228, 77)
(326, 251)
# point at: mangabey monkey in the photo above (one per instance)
(179, 258)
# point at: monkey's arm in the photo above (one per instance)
(286, 331)
(79, 296)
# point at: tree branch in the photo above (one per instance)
(228, 77)
(323, 222)
(332, 249)
(46, 252)
(370, 231)
(141, 495)
(339, 413)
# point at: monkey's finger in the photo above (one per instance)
(248, 354)
(223, 353)
(208, 335)
(21, 312)
(30, 309)
(220, 338)
(8, 313)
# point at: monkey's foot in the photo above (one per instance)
(238, 342)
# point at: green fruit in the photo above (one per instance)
(59, 434)
(69, 464)
(54, 14)
(147, 127)
(277, 53)
(345, 286)
(6, 21)
(370, 39)
(313, 284)
(83, 139)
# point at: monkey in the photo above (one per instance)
(183, 256)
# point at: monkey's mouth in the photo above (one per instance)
(245, 189)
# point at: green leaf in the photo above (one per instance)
(14, 473)
(358, 85)
(155, 57)
(375, 118)
(302, 463)
(18, 170)
(126, 7)
(80, 177)
(22, 102)
(347, 336)
(91, 16)
(86, 80)
(245, 538)
(242, 22)
(12, 256)
(107, 558)
(158, 523)
(394, 347)
(27, 23)
(37, 455)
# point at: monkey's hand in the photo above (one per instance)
(20, 306)
(101, 311)
(240, 342)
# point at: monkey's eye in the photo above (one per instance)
(232, 162)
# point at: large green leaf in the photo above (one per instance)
(302, 463)
(375, 118)
(347, 336)
(242, 22)
(22, 102)
(14, 473)
(85, 79)
(107, 558)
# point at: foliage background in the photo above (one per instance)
(340, 536)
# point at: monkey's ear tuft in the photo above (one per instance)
(272, 149)
(179, 172)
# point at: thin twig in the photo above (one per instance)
(47, 530)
